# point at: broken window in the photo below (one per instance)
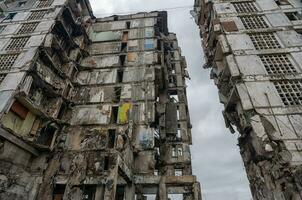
(44, 3)
(178, 113)
(117, 91)
(37, 15)
(282, 2)
(174, 153)
(128, 24)
(179, 151)
(149, 196)
(114, 114)
(111, 138)
(120, 75)
(178, 172)
(47, 134)
(290, 92)
(2, 76)
(120, 191)
(2, 28)
(124, 46)
(28, 28)
(125, 36)
(178, 133)
(175, 196)
(299, 31)
(10, 16)
(122, 59)
(62, 110)
(7, 61)
(22, 3)
(17, 43)
(245, 7)
(159, 46)
(294, 16)
(58, 192)
(254, 22)
(265, 41)
(157, 151)
(278, 64)
(173, 69)
(172, 79)
(106, 163)
(89, 192)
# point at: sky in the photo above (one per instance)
(215, 153)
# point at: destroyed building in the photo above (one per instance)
(91, 108)
(254, 50)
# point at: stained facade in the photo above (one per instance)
(253, 48)
(91, 108)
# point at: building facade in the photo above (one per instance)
(254, 50)
(91, 108)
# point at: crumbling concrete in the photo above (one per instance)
(254, 50)
(91, 108)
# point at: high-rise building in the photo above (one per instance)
(91, 108)
(254, 48)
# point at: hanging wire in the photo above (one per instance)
(137, 11)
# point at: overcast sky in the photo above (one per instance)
(216, 159)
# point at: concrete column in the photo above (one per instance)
(99, 194)
(129, 192)
(163, 190)
(111, 184)
(196, 191)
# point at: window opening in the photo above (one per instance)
(245, 7)
(58, 192)
(44, 3)
(28, 28)
(10, 16)
(7, 61)
(17, 43)
(122, 59)
(36, 15)
(124, 46)
(278, 64)
(106, 163)
(254, 22)
(290, 92)
(114, 114)
(294, 16)
(128, 24)
(265, 41)
(118, 91)
(111, 138)
(120, 75)
(46, 135)
(22, 3)
(178, 172)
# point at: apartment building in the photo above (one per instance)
(91, 108)
(253, 48)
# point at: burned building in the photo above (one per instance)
(91, 108)
(253, 48)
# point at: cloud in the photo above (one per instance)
(215, 154)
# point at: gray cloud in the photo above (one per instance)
(216, 159)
